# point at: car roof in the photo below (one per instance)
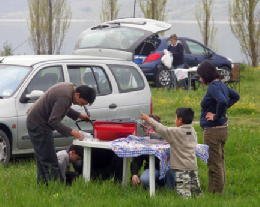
(30, 60)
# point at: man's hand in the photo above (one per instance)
(135, 180)
(144, 117)
(77, 135)
(84, 117)
(210, 116)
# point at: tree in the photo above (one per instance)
(205, 21)
(153, 9)
(245, 25)
(48, 22)
(7, 49)
(109, 10)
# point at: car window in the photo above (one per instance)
(92, 76)
(45, 78)
(195, 48)
(127, 78)
(121, 38)
(11, 77)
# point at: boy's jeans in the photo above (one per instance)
(145, 177)
(186, 182)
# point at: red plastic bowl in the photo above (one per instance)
(108, 130)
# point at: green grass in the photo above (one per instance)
(18, 183)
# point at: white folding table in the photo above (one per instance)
(95, 143)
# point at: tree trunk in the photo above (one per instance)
(50, 28)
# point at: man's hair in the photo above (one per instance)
(77, 149)
(173, 36)
(87, 93)
(207, 72)
(186, 114)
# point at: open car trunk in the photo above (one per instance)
(121, 38)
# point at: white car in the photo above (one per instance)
(122, 92)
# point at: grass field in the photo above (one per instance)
(18, 186)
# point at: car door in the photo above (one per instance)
(41, 79)
(195, 52)
(96, 77)
(134, 95)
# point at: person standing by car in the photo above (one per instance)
(213, 121)
(46, 115)
(177, 50)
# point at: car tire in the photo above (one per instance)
(225, 73)
(5, 149)
(163, 77)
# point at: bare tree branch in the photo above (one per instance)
(109, 10)
(48, 23)
(153, 9)
(245, 25)
(205, 21)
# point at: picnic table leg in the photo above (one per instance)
(152, 174)
(189, 80)
(125, 170)
(87, 163)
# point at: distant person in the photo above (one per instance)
(46, 115)
(177, 50)
(213, 121)
(73, 156)
(183, 172)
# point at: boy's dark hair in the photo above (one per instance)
(87, 93)
(77, 149)
(207, 72)
(187, 115)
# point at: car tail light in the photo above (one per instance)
(152, 57)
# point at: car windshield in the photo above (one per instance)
(122, 38)
(10, 78)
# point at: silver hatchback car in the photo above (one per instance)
(122, 92)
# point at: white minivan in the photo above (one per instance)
(122, 92)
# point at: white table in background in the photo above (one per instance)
(182, 73)
(87, 144)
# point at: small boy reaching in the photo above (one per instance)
(183, 174)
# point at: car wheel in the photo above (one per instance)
(5, 150)
(163, 77)
(225, 73)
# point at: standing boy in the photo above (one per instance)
(183, 174)
(46, 115)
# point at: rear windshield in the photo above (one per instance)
(122, 38)
(10, 78)
(127, 77)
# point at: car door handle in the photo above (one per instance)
(112, 106)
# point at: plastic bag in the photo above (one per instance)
(167, 59)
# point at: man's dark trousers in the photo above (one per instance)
(46, 158)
